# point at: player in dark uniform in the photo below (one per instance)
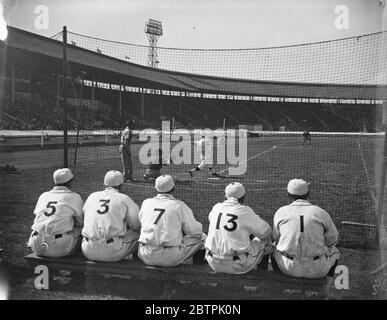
(153, 172)
(307, 138)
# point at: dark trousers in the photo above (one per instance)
(126, 158)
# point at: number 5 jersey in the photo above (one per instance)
(57, 211)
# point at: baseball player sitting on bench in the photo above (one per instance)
(111, 226)
(232, 225)
(58, 219)
(305, 235)
(169, 232)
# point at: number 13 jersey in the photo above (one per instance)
(231, 225)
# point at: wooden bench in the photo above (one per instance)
(264, 284)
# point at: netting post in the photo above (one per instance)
(120, 104)
(65, 146)
(142, 106)
(42, 139)
(382, 178)
(224, 124)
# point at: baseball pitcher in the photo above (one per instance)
(228, 244)
(169, 232)
(305, 235)
(111, 226)
(58, 219)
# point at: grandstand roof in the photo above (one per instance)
(108, 68)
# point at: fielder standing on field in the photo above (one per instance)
(125, 152)
(232, 225)
(58, 219)
(170, 233)
(111, 226)
(307, 138)
(306, 236)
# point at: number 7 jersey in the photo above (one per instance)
(231, 225)
(164, 219)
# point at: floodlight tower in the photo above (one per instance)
(153, 30)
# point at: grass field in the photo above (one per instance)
(343, 172)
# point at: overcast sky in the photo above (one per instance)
(202, 23)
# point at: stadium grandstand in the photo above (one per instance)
(192, 87)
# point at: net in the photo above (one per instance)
(334, 89)
(356, 60)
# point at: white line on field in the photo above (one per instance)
(366, 172)
(253, 157)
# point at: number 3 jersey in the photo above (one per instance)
(231, 225)
(108, 213)
(164, 219)
(57, 210)
(303, 230)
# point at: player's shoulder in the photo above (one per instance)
(248, 210)
(319, 211)
(125, 197)
(181, 205)
(95, 194)
(46, 194)
(282, 210)
(147, 202)
(76, 196)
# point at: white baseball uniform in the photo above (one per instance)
(306, 237)
(58, 223)
(169, 232)
(202, 145)
(228, 245)
(108, 214)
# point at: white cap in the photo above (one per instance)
(164, 183)
(113, 178)
(298, 187)
(62, 176)
(235, 190)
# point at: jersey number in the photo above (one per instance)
(104, 206)
(301, 223)
(232, 220)
(50, 206)
(159, 215)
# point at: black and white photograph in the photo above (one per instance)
(193, 154)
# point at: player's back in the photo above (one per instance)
(231, 225)
(108, 213)
(162, 219)
(55, 211)
(304, 230)
(126, 137)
